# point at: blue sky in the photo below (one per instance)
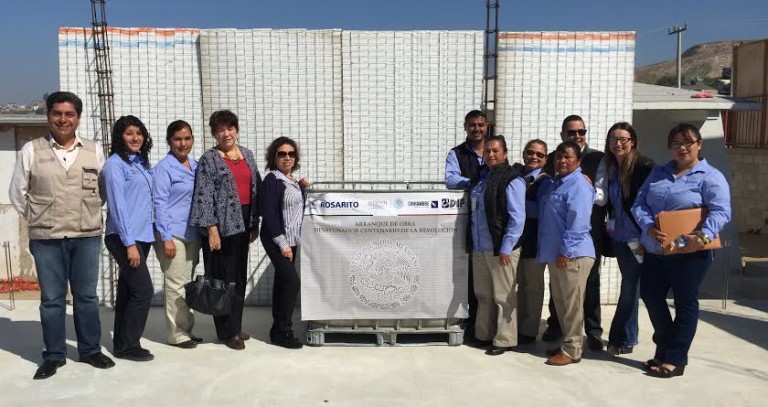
(29, 50)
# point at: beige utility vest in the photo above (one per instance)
(63, 203)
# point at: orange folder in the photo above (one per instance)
(682, 222)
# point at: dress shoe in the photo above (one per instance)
(551, 336)
(48, 368)
(594, 343)
(235, 343)
(497, 350)
(287, 341)
(561, 359)
(553, 351)
(478, 344)
(98, 360)
(525, 339)
(244, 336)
(190, 344)
(137, 354)
(619, 350)
(196, 338)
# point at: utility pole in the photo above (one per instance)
(679, 32)
(490, 59)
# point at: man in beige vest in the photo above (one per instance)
(55, 188)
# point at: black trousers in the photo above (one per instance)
(230, 263)
(285, 289)
(592, 319)
(134, 294)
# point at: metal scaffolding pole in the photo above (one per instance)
(490, 62)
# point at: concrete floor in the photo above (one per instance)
(728, 366)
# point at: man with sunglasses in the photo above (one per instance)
(593, 167)
(461, 166)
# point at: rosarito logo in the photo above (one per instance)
(453, 203)
(397, 203)
(339, 204)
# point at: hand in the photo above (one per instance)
(254, 236)
(694, 244)
(214, 241)
(562, 261)
(170, 249)
(287, 253)
(134, 259)
(304, 182)
(504, 259)
(639, 250)
(656, 234)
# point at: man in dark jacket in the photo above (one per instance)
(592, 166)
(461, 166)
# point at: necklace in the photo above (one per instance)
(233, 155)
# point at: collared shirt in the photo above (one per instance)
(172, 187)
(531, 205)
(564, 218)
(453, 177)
(702, 186)
(515, 196)
(20, 179)
(129, 199)
(293, 208)
(624, 229)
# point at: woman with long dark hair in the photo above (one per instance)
(281, 199)
(129, 235)
(626, 170)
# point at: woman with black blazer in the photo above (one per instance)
(281, 199)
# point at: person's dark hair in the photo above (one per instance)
(223, 118)
(271, 154)
(64, 97)
(569, 144)
(175, 126)
(571, 118)
(500, 138)
(118, 145)
(687, 130)
(536, 141)
(627, 167)
(474, 114)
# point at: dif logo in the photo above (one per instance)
(453, 203)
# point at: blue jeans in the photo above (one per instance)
(77, 261)
(683, 273)
(624, 329)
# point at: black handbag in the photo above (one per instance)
(210, 296)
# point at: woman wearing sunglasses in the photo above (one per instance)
(224, 207)
(281, 198)
(626, 170)
(687, 181)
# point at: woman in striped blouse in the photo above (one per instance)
(281, 199)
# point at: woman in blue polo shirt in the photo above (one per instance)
(566, 246)
(177, 246)
(129, 235)
(687, 181)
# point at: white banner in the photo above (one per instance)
(369, 255)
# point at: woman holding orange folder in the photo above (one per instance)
(687, 181)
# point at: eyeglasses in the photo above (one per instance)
(573, 133)
(283, 154)
(620, 140)
(536, 153)
(678, 145)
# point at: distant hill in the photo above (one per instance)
(705, 61)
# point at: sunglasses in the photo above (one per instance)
(619, 140)
(536, 153)
(283, 154)
(573, 133)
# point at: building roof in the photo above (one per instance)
(654, 97)
(24, 119)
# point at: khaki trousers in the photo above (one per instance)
(178, 272)
(496, 298)
(568, 286)
(530, 296)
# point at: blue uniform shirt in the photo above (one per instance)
(453, 178)
(564, 218)
(129, 199)
(172, 188)
(702, 186)
(515, 196)
(624, 230)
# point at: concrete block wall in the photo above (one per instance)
(749, 188)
